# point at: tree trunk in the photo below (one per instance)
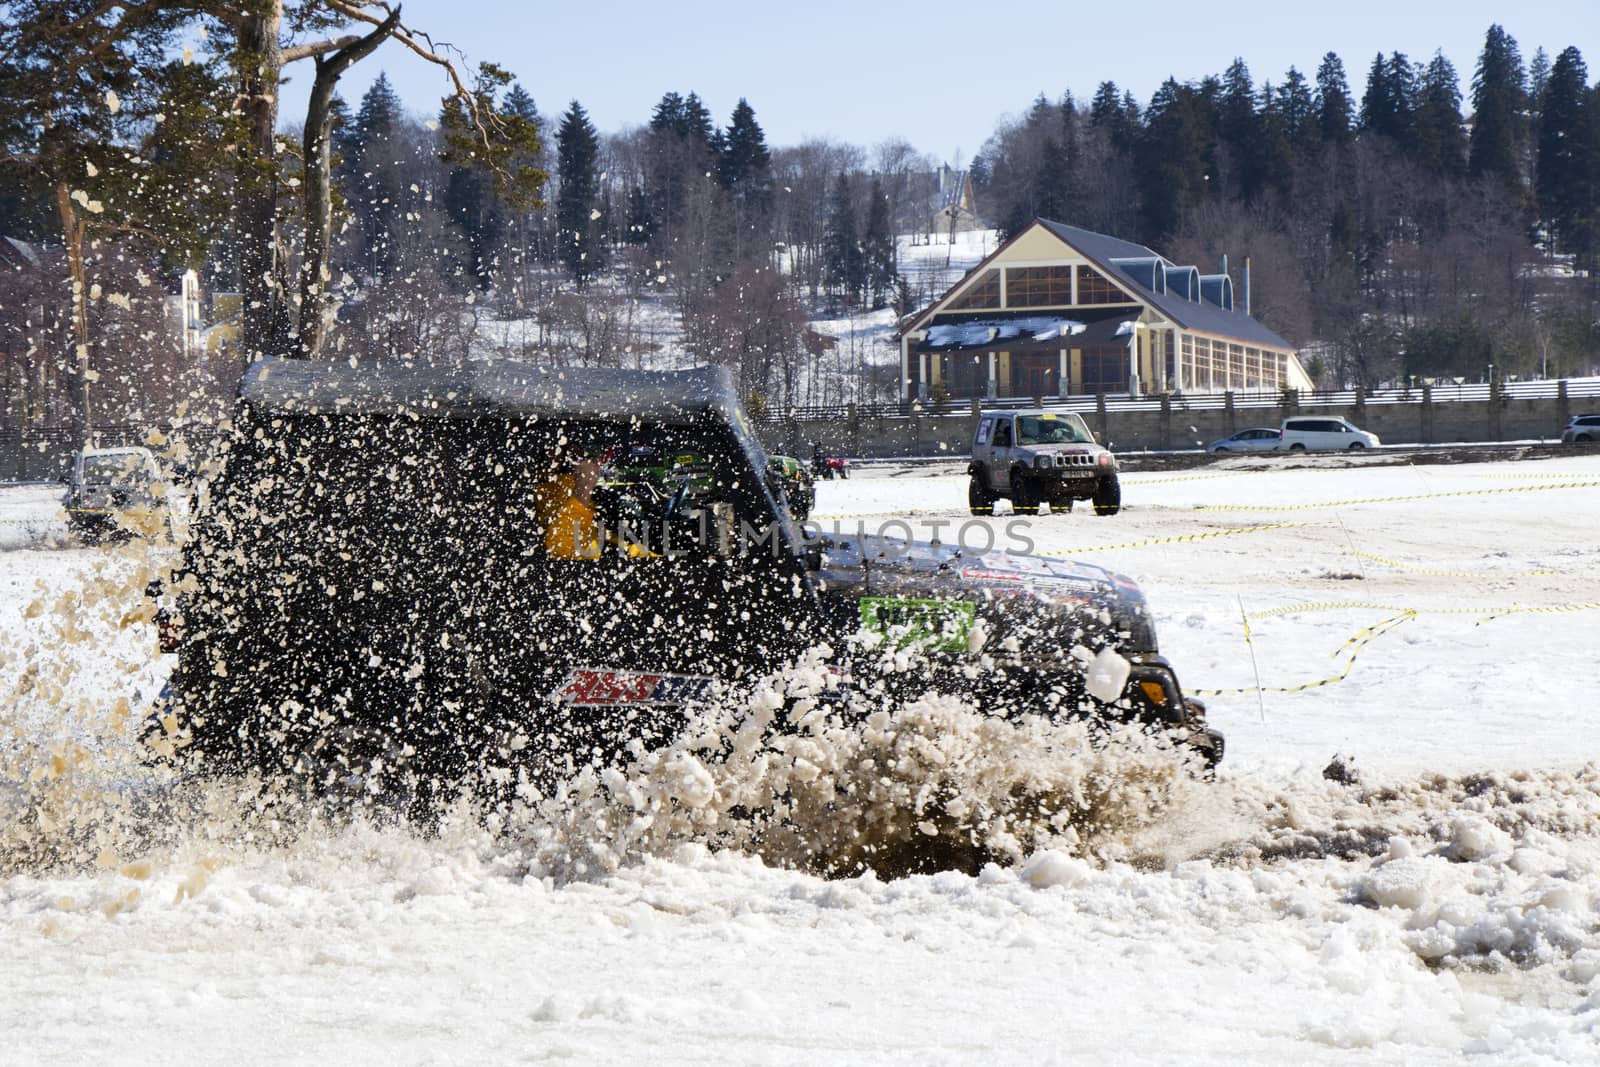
(72, 234)
(318, 193)
(318, 214)
(260, 282)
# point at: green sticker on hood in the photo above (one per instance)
(944, 624)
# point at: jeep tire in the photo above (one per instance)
(1023, 499)
(1108, 495)
(980, 501)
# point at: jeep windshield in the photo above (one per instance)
(116, 467)
(1052, 430)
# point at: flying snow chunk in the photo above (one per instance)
(113, 102)
(1050, 867)
(1107, 675)
(594, 214)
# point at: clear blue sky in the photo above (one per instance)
(939, 74)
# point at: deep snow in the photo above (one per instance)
(1447, 906)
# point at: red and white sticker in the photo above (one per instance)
(599, 687)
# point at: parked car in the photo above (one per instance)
(345, 614)
(116, 492)
(1581, 429)
(1306, 432)
(1255, 439)
(1034, 457)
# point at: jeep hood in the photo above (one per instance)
(1044, 598)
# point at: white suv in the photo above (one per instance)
(1306, 432)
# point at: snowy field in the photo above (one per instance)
(1443, 907)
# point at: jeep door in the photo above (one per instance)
(983, 441)
(999, 464)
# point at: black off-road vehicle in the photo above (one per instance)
(367, 582)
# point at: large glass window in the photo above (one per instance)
(984, 293)
(1105, 370)
(1038, 287)
(1094, 288)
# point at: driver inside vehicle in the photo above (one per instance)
(565, 506)
(1048, 430)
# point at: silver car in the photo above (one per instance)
(1035, 457)
(115, 492)
(1255, 439)
(1581, 429)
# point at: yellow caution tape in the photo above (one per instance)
(1396, 499)
(1386, 561)
(1485, 612)
(1189, 477)
(1354, 646)
(1207, 535)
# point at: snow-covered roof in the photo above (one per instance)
(1028, 329)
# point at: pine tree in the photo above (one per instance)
(679, 152)
(1566, 183)
(1440, 144)
(844, 266)
(697, 127)
(877, 244)
(1333, 101)
(745, 161)
(1538, 78)
(1388, 108)
(487, 186)
(374, 191)
(1298, 110)
(519, 102)
(1117, 115)
(1499, 98)
(1240, 131)
(381, 111)
(578, 229)
(1275, 156)
(1177, 167)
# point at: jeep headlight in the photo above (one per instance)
(1106, 459)
(1041, 461)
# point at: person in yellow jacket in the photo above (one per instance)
(565, 506)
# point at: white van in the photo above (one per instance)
(1319, 431)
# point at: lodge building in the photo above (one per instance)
(1059, 311)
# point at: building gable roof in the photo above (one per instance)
(1101, 249)
(1204, 316)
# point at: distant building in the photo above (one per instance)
(1058, 311)
(957, 206)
